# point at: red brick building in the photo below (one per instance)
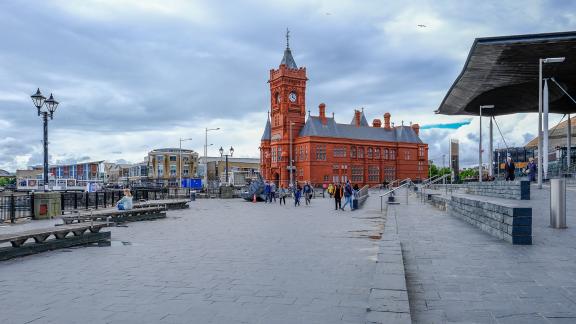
(325, 151)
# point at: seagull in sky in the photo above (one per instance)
(422, 26)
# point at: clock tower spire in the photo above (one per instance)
(287, 96)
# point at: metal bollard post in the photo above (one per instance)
(407, 190)
(558, 203)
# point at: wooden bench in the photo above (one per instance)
(82, 234)
(112, 215)
(169, 203)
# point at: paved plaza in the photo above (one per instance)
(221, 261)
(457, 273)
(230, 261)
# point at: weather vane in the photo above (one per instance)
(287, 38)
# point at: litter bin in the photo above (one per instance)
(558, 203)
(192, 195)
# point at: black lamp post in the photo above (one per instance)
(50, 106)
(226, 155)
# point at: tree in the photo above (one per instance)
(469, 173)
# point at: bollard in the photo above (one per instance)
(558, 203)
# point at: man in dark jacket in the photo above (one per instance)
(268, 191)
(510, 169)
(338, 193)
(307, 193)
(348, 192)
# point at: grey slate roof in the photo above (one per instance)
(288, 60)
(267, 131)
(363, 121)
(314, 127)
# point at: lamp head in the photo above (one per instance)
(38, 99)
(51, 104)
(221, 151)
(231, 150)
(553, 60)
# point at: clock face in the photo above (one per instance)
(292, 96)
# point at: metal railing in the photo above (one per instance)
(16, 206)
(21, 205)
(427, 180)
(392, 191)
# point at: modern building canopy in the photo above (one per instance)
(503, 71)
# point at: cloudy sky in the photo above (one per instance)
(133, 75)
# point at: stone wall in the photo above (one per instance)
(519, 190)
(506, 221)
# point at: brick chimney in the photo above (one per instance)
(416, 128)
(387, 120)
(357, 117)
(376, 123)
(322, 113)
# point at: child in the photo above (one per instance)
(126, 202)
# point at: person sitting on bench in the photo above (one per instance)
(126, 202)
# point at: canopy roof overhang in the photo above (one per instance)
(503, 71)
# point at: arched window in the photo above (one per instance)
(353, 152)
(376, 153)
(385, 154)
(369, 152)
(360, 152)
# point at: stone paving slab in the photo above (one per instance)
(221, 261)
(459, 274)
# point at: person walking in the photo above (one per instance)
(273, 191)
(297, 194)
(531, 170)
(510, 169)
(331, 190)
(348, 191)
(267, 190)
(282, 195)
(307, 193)
(338, 193)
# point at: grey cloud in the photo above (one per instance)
(148, 71)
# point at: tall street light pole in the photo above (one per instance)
(180, 161)
(480, 142)
(226, 155)
(540, 133)
(50, 107)
(206, 154)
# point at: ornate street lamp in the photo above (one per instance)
(226, 155)
(49, 106)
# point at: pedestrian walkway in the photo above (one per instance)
(457, 273)
(221, 261)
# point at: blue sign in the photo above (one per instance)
(192, 183)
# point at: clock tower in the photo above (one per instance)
(288, 113)
(287, 97)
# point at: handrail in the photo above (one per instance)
(394, 189)
(436, 180)
(399, 181)
(427, 180)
